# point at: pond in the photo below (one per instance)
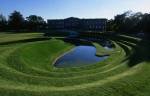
(79, 56)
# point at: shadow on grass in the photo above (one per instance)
(24, 41)
(139, 53)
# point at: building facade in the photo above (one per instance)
(76, 23)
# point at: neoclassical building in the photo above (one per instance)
(76, 23)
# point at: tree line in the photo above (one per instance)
(16, 22)
(130, 22)
(127, 22)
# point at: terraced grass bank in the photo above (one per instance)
(26, 68)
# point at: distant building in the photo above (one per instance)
(94, 24)
(76, 23)
(56, 24)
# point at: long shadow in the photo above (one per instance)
(25, 41)
(140, 53)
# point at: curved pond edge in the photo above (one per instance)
(72, 49)
(61, 55)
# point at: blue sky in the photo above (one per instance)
(55, 9)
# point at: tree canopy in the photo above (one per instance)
(35, 22)
(3, 22)
(16, 21)
(130, 22)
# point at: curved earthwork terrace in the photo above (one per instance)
(26, 68)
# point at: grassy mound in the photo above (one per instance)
(26, 68)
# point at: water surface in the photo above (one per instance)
(79, 56)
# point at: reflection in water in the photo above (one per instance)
(79, 56)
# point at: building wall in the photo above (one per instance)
(56, 24)
(75, 23)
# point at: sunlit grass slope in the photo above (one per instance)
(26, 68)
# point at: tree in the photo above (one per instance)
(135, 22)
(128, 22)
(145, 23)
(16, 21)
(119, 22)
(3, 23)
(110, 25)
(35, 22)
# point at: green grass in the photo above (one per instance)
(8, 37)
(101, 51)
(26, 68)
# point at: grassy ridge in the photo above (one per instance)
(26, 69)
(101, 51)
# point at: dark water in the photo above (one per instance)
(79, 56)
